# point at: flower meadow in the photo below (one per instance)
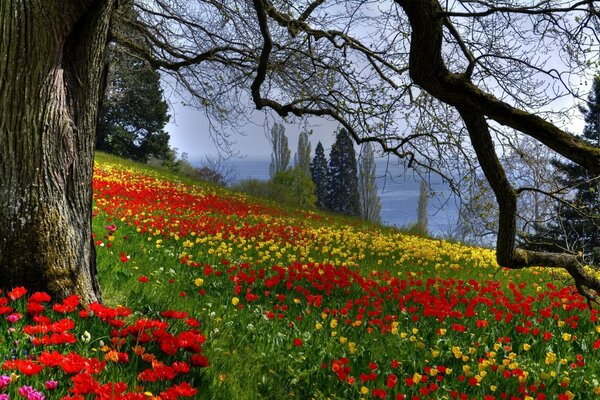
(209, 294)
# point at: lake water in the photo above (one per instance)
(398, 190)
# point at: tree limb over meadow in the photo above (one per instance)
(419, 77)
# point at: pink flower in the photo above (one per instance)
(51, 385)
(35, 395)
(4, 381)
(12, 318)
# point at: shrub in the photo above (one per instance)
(211, 170)
(291, 187)
(299, 186)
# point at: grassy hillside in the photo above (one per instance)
(212, 295)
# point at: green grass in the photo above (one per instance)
(378, 276)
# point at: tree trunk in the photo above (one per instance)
(506, 196)
(51, 56)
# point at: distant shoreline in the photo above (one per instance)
(399, 194)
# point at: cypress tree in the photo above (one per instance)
(302, 157)
(370, 205)
(422, 218)
(319, 172)
(342, 180)
(280, 157)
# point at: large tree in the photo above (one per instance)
(530, 164)
(52, 56)
(133, 113)
(342, 179)
(419, 77)
(280, 155)
(319, 172)
(302, 156)
(575, 225)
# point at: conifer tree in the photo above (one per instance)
(319, 172)
(133, 113)
(370, 205)
(342, 180)
(302, 156)
(577, 226)
(280, 157)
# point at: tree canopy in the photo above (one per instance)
(302, 156)
(370, 205)
(133, 113)
(280, 156)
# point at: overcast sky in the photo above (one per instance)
(189, 130)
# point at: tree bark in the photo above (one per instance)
(51, 59)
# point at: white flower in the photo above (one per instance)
(86, 337)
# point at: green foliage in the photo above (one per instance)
(280, 158)
(342, 180)
(298, 186)
(133, 113)
(290, 187)
(319, 172)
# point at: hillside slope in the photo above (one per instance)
(300, 304)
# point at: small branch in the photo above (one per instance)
(311, 7)
(468, 54)
(536, 9)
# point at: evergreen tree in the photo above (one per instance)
(577, 226)
(133, 113)
(342, 180)
(302, 156)
(319, 172)
(280, 158)
(370, 205)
